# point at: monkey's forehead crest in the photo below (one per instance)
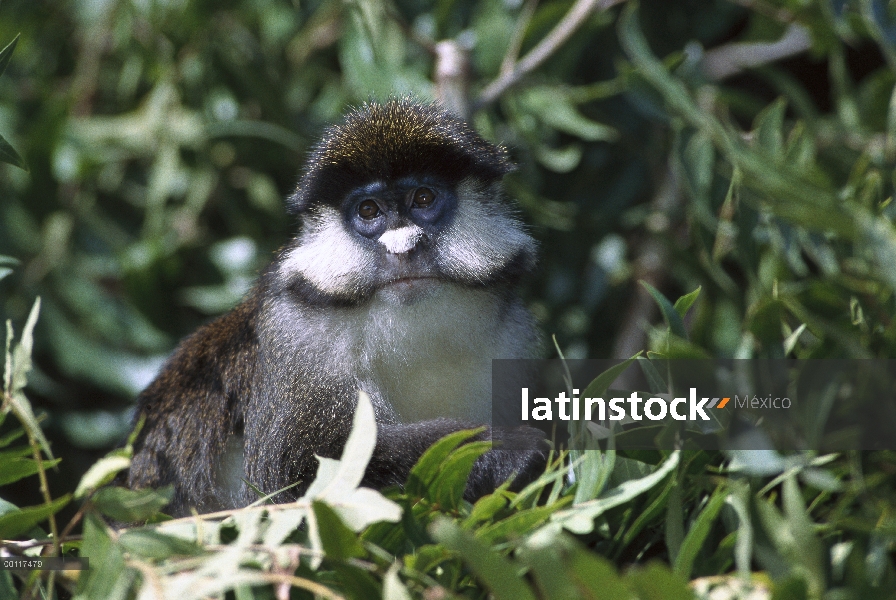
(391, 141)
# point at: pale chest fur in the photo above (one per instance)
(432, 358)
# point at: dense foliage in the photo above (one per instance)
(746, 148)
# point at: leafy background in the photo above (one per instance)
(161, 137)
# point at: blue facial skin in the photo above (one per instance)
(394, 204)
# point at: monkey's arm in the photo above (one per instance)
(272, 464)
(192, 408)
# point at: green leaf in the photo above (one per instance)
(355, 581)
(22, 353)
(593, 471)
(6, 53)
(811, 554)
(18, 365)
(7, 507)
(565, 568)
(545, 553)
(600, 384)
(427, 557)
(430, 464)
(282, 524)
(18, 452)
(9, 155)
(739, 500)
(656, 382)
(17, 522)
(516, 525)
(108, 577)
(559, 160)
(339, 542)
(769, 128)
(657, 581)
(683, 304)
(699, 162)
(132, 506)
(791, 340)
(364, 506)
(101, 473)
(147, 543)
(792, 588)
(597, 575)
(7, 587)
(693, 541)
(128, 450)
(650, 513)
(14, 469)
(486, 508)
(674, 525)
(448, 488)
(553, 476)
(10, 437)
(555, 108)
(580, 518)
(497, 573)
(799, 552)
(393, 587)
(349, 470)
(7, 263)
(673, 319)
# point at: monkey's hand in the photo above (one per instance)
(519, 453)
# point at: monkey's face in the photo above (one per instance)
(401, 240)
(399, 200)
(401, 220)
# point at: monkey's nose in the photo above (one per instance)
(401, 240)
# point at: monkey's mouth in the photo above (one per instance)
(410, 281)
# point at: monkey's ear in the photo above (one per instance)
(312, 188)
(295, 202)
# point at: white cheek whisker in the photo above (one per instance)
(480, 240)
(329, 258)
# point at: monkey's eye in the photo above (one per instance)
(368, 209)
(424, 196)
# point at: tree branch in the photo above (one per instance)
(453, 77)
(650, 266)
(558, 36)
(730, 59)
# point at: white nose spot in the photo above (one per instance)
(401, 240)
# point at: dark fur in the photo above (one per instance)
(418, 138)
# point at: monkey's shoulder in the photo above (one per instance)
(217, 360)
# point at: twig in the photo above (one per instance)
(41, 471)
(650, 266)
(519, 33)
(44, 488)
(567, 26)
(424, 41)
(25, 544)
(766, 9)
(223, 514)
(730, 59)
(74, 521)
(300, 582)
